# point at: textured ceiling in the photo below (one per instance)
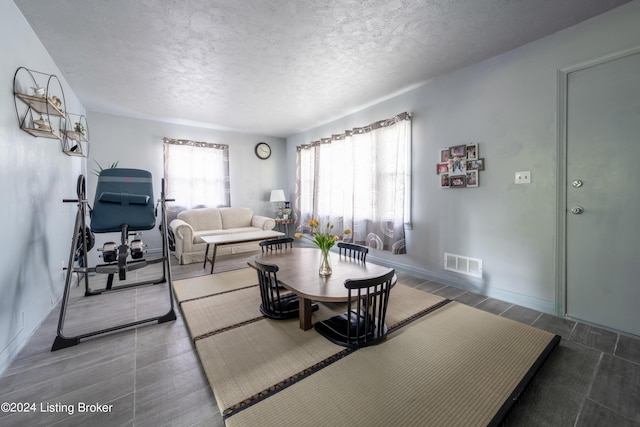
(277, 67)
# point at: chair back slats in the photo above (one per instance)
(353, 251)
(274, 303)
(364, 322)
(367, 308)
(276, 244)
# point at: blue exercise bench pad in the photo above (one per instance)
(123, 196)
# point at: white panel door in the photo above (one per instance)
(603, 194)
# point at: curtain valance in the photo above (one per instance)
(190, 143)
(358, 131)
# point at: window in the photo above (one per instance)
(196, 174)
(359, 180)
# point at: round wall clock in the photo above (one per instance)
(263, 151)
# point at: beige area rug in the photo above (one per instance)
(455, 366)
(443, 363)
(212, 314)
(211, 284)
(243, 361)
(243, 353)
(405, 303)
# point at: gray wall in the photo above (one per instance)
(137, 143)
(35, 175)
(509, 105)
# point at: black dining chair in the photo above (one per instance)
(364, 322)
(353, 251)
(276, 244)
(277, 303)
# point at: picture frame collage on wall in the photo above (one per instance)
(460, 165)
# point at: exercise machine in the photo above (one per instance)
(123, 204)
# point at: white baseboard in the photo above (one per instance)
(477, 287)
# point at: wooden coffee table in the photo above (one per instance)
(231, 239)
(298, 272)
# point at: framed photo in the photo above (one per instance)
(477, 164)
(444, 180)
(457, 166)
(472, 151)
(460, 166)
(459, 151)
(445, 154)
(472, 178)
(458, 181)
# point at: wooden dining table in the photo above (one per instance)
(298, 272)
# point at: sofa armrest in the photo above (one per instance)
(183, 233)
(263, 222)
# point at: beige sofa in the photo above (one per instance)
(190, 225)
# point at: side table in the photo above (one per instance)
(282, 223)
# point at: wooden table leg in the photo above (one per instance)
(305, 314)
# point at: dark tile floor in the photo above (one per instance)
(152, 376)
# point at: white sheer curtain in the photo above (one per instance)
(196, 174)
(359, 180)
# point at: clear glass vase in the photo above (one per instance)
(325, 264)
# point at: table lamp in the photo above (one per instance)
(277, 197)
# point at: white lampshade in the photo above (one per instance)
(277, 196)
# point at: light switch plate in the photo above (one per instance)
(523, 177)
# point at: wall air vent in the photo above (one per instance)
(463, 265)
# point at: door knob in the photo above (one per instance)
(577, 210)
(577, 183)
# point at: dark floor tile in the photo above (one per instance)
(494, 306)
(163, 333)
(409, 280)
(617, 386)
(115, 392)
(469, 298)
(594, 415)
(628, 348)
(556, 325)
(148, 354)
(557, 392)
(165, 389)
(545, 406)
(177, 365)
(102, 384)
(430, 286)
(213, 421)
(595, 337)
(449, 292)
(522, 314)
(59, 383)
(571, 367)
(121, 415)
(61, 366)
(184, 410)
